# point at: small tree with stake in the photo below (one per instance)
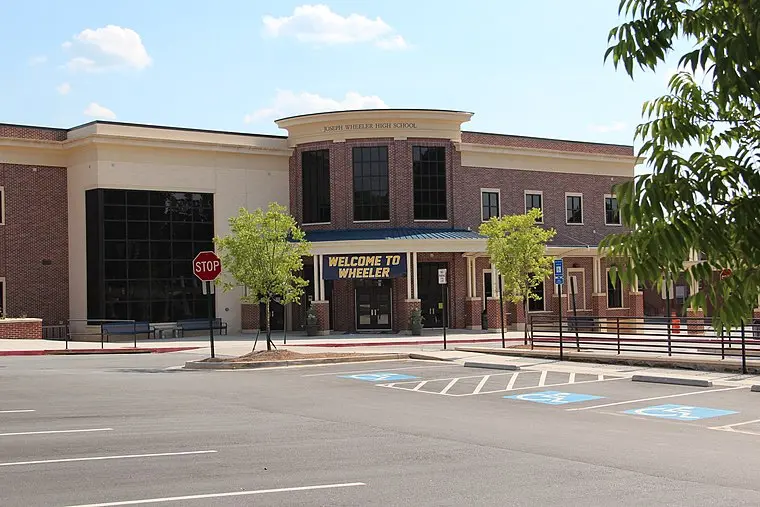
(264, 252)
(517, 247)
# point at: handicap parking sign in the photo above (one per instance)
(679, 412)
(379, 377)
(553, 397)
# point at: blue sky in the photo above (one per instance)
(529, 68)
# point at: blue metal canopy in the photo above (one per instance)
(402, 233)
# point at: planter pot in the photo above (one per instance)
(312, 329)
(416, 330)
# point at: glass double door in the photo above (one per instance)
(373, 304)
(430, 292)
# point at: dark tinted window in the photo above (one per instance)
(534, 201)
(371, 200)
(490, 204)
(316, 186)
(429, 173)
(614, 292)
(140, 267)
(611, 211)
(574, 209)
(537, 305)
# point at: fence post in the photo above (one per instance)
(68, 332)
(618, 334)
(531, 332)
(744, 352)
(101, 336)
(134, 328)
(722, 344)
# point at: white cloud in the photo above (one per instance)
(615, 126)
(95, 110)
(318, 24)
(289, 103)
(38, 60)
(107, 48)
(63, 88)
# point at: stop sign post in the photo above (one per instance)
(207, 267)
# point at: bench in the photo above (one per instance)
(200, 325)
(127, 328)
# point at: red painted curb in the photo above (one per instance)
(75, 352)
(387, 343)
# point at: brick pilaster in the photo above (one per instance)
(249, 317)
(472, 310)
(694, 321)
(405, 312)
(322, 309)
(494, 313)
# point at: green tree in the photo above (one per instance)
(264, 253)
(707, 200)
(517, 247)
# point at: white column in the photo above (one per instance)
(495, 289)
(315, 281)
(414, 276)
(469, 276)
(474, 277)
(321, 281)
(408, 275)
(596, 272)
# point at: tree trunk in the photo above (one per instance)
(269, 330)
(525, 312)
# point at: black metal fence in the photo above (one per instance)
(646, 335)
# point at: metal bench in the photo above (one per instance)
(200, 325)
(127, 328)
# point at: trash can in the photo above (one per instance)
(484, 320)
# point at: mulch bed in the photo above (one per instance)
(278, 355)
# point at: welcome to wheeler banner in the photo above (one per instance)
(369, 266)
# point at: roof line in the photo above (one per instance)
(170, 127)
(547, 138)
(21, 125)
(373, 110)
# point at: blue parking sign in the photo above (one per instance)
(559, 271)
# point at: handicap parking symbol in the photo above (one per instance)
(553, 397)
(679, 412)
(379, 377)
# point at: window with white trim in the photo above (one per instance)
(2, 205)
(611, 210)
(535, 199)
(489, 199)
(614, 292)
(574, 208)
(487, 284)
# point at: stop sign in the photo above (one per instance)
(207, 266)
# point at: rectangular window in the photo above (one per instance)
(574, 208)
(611, 211)
(614, 292)
(487, 284)
(489, 204)
(429, 173)
(371, 200)
(2, 205)
(315, 166)
(537, 305)
(2, 297)
(535, 199)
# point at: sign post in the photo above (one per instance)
(442, 283)
(559, 280)
(207, 267)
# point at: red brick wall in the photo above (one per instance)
(400, 188)
(38, 133)
(545, 144)
(513, 183)
(28, 330)
(34, 245)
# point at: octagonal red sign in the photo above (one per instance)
(207, 266)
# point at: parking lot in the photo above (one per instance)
(78, 431)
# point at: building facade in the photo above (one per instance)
(101, 221)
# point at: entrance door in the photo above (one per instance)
(276, 316)
(373, 304)
(430, 292)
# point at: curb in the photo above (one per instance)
(673, 380)
(755, 388)
(721, 366)
(221, 365)
(493, 366)
(397, 342)
(86, 352)
(425, 357)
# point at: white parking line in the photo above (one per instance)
(420, 385)
(512, 381)
(449, 386)
(15, 411)
(377, 369)
(656, 398)
(572, 377)
(731, 428)
(53, 431)
(100, 458)
(221, 495)
(542, 380)
(481, 384)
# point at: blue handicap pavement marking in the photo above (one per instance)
(680, 412)
(379, 376)
(554, 397)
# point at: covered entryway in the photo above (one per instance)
(373, 304)
(430, 293)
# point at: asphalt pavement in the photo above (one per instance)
(136, 430)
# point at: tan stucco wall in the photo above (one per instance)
(236, 180)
